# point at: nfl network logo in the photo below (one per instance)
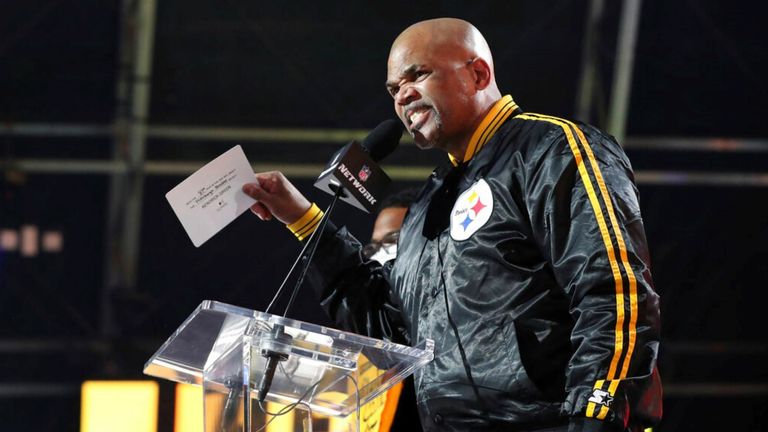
(364, 173)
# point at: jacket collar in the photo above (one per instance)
(499, 113)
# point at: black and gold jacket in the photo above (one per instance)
(527, 264)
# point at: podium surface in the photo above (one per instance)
(321, 369)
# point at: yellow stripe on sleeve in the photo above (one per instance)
(306, 225)
(632, 330)
(591, 409)
(601, 221)
(591, 405)
(603, 413)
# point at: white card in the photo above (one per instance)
(212, 197)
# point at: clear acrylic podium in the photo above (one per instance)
(323, 370)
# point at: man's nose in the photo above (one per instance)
(406, 95)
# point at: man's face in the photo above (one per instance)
(389, 220)
(383, 246)
(432, 91)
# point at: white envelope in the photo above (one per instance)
(212, 197)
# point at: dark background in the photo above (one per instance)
(699, 72)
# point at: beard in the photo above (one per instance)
(429, 135)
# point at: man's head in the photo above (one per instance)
(386, 229)
(440, 74)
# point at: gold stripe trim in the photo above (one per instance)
(591, 405)
(619, 330)
(304, 219)
(603, 413)
(306, 232)
(632, 330)
(504, 115)
(613, 386)
(306, 223)
(591, 409)
(476, 141)
(601, 221)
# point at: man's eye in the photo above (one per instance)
(420, 74)
(393, 91)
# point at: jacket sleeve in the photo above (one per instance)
(355, 293)
(585, 214)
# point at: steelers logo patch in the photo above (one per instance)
(471, 211)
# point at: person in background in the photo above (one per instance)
(399, 409)
(386, 228)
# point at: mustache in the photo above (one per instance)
(415, 106)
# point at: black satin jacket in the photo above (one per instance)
(545, 314)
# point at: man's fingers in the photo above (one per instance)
(261, 211)
(254, 191)
(276, 197)
(270, 181)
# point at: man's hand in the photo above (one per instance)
(276, 197)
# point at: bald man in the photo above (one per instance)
(525, 260)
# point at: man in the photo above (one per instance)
(526, 262)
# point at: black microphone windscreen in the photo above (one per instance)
(383, 139)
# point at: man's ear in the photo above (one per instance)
(482, 73)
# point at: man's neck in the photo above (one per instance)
(458, 149)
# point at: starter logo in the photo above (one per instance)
(601, 397)
(471, 211)
(364, 173)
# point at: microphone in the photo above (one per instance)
(383, 139)
(354, 167)
(271, 350)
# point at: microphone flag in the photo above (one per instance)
(352, 169)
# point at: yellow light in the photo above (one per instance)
(119, 406)
(283, 423)
(188, 413)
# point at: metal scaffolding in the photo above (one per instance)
(132, 129)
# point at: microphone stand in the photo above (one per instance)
(269, 349)
(229, 412)
(339, 192)
(380, 142)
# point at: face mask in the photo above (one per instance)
(385, 254)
